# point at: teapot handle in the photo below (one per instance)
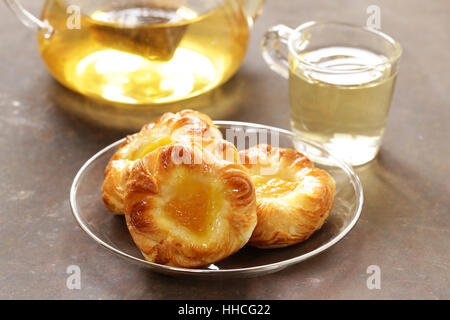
(27, 18)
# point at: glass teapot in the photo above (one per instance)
(142, 52)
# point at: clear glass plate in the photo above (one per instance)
(111, 232)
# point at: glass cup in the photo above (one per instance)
(341, 81)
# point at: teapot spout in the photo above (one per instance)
(253, 9)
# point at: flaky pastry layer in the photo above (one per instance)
(189, 214)
(293, 197)
(184, 126)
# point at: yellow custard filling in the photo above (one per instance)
(153, 146)
(270, 187)
(194, 204)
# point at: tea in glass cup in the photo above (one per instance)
(341, 82)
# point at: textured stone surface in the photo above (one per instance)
(404, 226)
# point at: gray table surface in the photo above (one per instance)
(404, 227)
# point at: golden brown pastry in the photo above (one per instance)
(187, 125)
(189, 214)
(293, 197)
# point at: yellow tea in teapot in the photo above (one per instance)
(146, 52)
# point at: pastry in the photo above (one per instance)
(293, 197)
(191, 199)
(187, 125)
(187, 213)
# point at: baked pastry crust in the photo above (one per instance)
(187, 125)
(293, 197)
(189, 214)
